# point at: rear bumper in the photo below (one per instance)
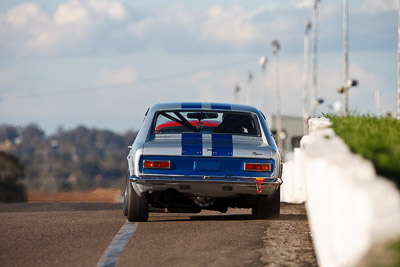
(206, 185)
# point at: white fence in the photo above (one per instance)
(349, 208)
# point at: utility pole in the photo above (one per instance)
(346, 56)
(263, 63)
(315, 60)
(307, 23)
(276, 47)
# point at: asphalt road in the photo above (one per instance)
(64, 234)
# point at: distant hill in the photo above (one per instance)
(80, 158)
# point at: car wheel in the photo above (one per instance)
(275, 205)
(268, 208)
(137, 208)
(125, 201)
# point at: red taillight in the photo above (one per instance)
(257, 167)
(156, 164)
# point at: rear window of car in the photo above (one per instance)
(214, 122)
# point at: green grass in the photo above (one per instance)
(376, 139)
(395, 247)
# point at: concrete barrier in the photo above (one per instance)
(293, 188)
(350, 208)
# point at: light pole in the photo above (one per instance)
(249, 80)
(398, 66)
(263, 63)
(348, 83)
(314, 103)
(236, 93)
(346, 87)
(307, 23)
(276, 47)
(346, 55)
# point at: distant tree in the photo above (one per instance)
(129, 137)
(88, 171)
(32, 133)
(11, 174)
(8, 133)
(82, 152)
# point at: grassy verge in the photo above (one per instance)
(395, 247)
(377, 139)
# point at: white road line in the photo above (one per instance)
(117, 245)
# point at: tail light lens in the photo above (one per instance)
(157, 164)
(257, 167)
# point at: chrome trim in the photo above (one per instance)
(210, 180)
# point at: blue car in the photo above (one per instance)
(193, 156)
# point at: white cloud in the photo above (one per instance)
(97, 26)
(378, 6)
(25, 14)
(72, 12)
(24, 28)
(41, 42)
(80, 12)
(27, 29)
(232, 26)
(123, 76)
(160, 25)
(111, 9)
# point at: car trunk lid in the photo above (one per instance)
(207, 145)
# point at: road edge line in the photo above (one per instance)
(111, 254)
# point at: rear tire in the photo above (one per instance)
(268, 208)
(137, 208)
(125, 201)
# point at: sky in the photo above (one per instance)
(101, 64)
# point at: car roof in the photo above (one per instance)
(204, 106)
(145, 130)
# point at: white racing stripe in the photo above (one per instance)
(207, 145)
(117, 245)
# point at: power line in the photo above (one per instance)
(121, 86)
